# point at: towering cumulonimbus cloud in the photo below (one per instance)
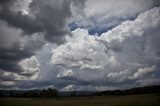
(79, 45)
(125, 53)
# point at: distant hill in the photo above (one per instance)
(132, 91)
(52, 93)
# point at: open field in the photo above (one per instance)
(130, 100)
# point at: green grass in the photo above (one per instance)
(130, 100)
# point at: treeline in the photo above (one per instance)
(45, 93)
(132, 91)
(53, 93)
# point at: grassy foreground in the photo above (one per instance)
(130, 100)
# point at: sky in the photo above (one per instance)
(82, 45)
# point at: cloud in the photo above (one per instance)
(148, 81)
(118, 76)
(14, 47)
(34, 16)
(7, 83)
(74, 54)
(66, 73)
(52, 15)
(69, 88)
(38, 50)
(9, 14)
(122, 8)
(143, 71)
(31, 65)
(98, 17)
(6, 40)
(128, 50)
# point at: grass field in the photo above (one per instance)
(130, 100)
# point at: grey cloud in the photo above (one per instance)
(10, 57)
(118, 58)
(49, 17)
(52, 15)
(99, 17)
(15, 48)
(130, 47)
(29, 72)
(24, 22)
(17, 19)
(23, 34)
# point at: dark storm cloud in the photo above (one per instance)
(21, 34)
(6, 3)
(11, 51)
(24, 22)
(14, 47)
(35, 52)
(17, 19)
(48, 17)
(9, 58)
(52, 15)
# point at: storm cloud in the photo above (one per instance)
(124, 53)
(79, 45)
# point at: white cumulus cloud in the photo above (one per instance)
(116, 55)
(30, 66)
